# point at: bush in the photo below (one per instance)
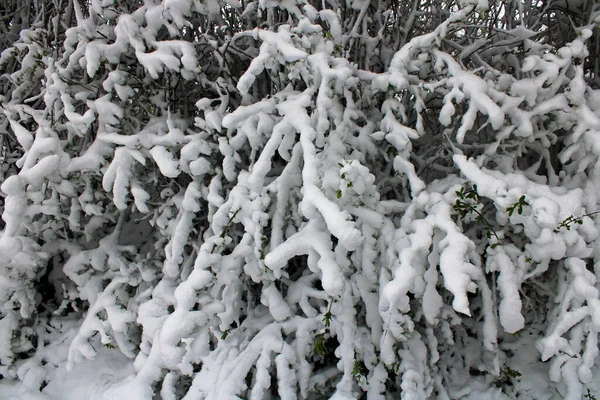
(301, 199)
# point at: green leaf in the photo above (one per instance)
(319, 345)
(359, 369)
(327, 318)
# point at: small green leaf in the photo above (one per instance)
(339, 193)
(589, 395)
(359, 369)
(327, 318)
(319, 345)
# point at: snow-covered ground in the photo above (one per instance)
(89, 380)
(110, 372)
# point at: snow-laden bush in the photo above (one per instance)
(302, 199)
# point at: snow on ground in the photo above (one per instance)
(89, 380)
(16, 391)
(110, 372)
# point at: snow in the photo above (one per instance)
(24, 137)
(303, 243)
(166, 161)
(344, 220)
(117, 176)
(508, 283)
(337, 221)
(13, 185)
(272, 298)
(37, 173)
(17, 391)
(91, 380)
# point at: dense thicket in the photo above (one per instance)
(281, 199)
